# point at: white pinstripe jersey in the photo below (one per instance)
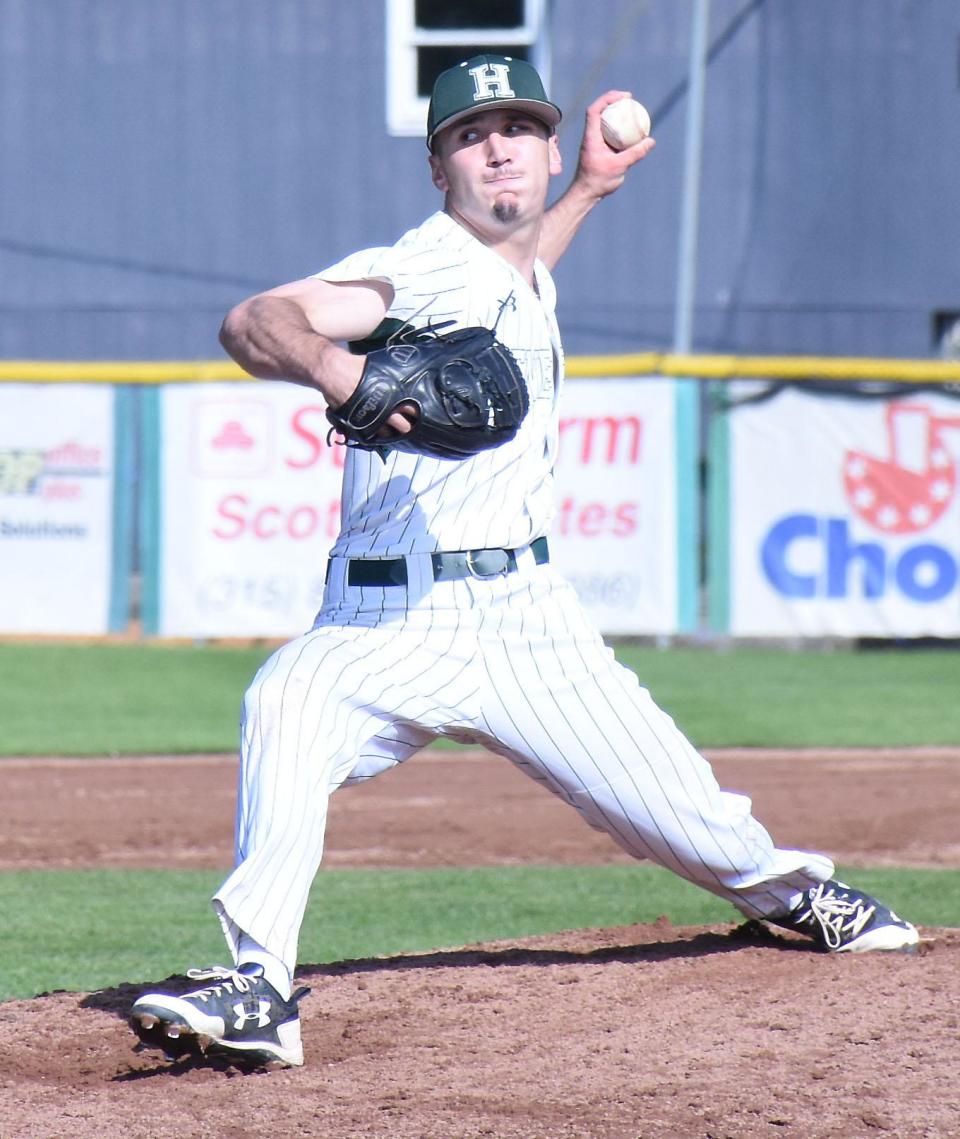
(503, 497)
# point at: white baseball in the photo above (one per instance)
(624, 123)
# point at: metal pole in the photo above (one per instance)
(691, 413)
(690, 213)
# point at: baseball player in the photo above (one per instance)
(442, 615)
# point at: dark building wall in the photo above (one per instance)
(162, 159)
(829, 218)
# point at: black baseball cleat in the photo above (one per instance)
(239, 1017)
(843, 920)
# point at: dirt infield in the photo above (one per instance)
(642, 1032)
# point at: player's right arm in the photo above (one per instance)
(600, 172)
(293, 332)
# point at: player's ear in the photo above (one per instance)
(437, 174)
(553, 154)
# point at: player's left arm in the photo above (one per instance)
(600, 171)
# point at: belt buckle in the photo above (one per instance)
(485, 564)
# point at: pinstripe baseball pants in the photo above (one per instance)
(511, 663)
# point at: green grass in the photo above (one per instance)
(765, 697)
(83, 930)
(60, 699)
(93, 929)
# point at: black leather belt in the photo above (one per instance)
(446, 567)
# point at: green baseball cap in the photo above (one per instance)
(487, 81)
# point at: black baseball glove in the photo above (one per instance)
(466, 386)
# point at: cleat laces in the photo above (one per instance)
(229, 980)
(840, 919)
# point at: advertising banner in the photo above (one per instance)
(249, 506)
(845, 516)
(56, 508)
(615, 534)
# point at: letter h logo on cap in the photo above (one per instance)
(492, 81)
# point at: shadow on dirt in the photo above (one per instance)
(703, 943)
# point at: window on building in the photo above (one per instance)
(946, 334)
(426, 36)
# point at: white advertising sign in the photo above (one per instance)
(845, 516)
(56, 505)
(615, 532)
(250, 506)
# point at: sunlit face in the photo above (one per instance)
(495, 168)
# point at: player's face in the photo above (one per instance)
(495, 167)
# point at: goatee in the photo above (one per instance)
(505, 209)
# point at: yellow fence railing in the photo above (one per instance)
(766, 367)
(697, 366)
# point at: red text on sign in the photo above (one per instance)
(603, 438)
(310, 428)
(238, 517)
(597, 519)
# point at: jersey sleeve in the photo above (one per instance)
(423, 277)
(365, 265)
